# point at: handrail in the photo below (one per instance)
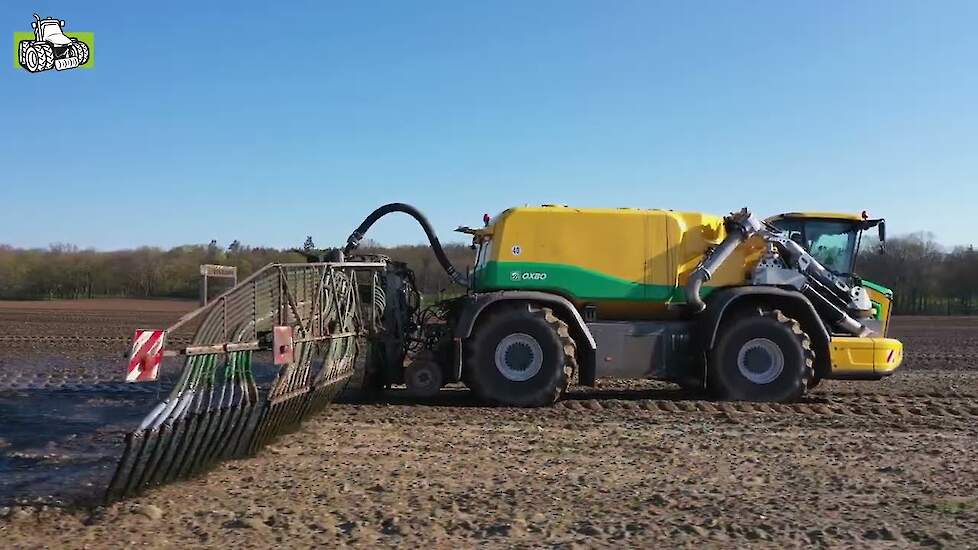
(186, 318)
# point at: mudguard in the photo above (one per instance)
(478, 303)
(720, 301)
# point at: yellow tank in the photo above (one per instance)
(629, 262)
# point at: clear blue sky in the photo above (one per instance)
(270, 121)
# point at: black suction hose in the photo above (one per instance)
(354, 240)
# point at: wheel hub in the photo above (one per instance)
(761, 361)
(423, 379)
(518, 357)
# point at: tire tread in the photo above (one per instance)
(546, 396)
(804, 342)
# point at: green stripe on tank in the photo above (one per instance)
(574, 281)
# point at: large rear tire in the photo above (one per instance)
(45, 56)
(80, 50)
(33, 60)
(764, 356)
(22, 48)
(520, 355)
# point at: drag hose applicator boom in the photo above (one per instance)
(354, 240)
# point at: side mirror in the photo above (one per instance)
(882, 231)
(33, 25)
(62, 23)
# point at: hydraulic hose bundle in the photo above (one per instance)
(354, 240)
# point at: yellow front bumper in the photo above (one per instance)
(866, 358)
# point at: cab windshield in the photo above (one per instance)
(49, 29)
(833, 243)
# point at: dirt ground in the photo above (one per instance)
(891, 463)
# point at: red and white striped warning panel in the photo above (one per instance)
(284, 345)
(146, 356)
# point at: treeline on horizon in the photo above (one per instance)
(64, 271)
(926, 277)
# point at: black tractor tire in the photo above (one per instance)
(33, 60)
(45, 54)
(22, 48)
(30, 61)
(520, 355)
(80, 50)
(423, 378)
(764, 356)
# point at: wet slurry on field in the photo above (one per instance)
(64, 407)
(892, 463)
(61, 436)
(61, 446)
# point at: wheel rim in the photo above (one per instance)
(519, 357)
(422, 378)
(32, 61)
(761, 361)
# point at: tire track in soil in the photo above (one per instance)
(77, 387)
(953, 404)
(874, 406)
(17, 381)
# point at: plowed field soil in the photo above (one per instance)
(892, 463)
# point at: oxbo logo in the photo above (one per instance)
(528, 276)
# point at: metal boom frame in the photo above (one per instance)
(216, 410)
